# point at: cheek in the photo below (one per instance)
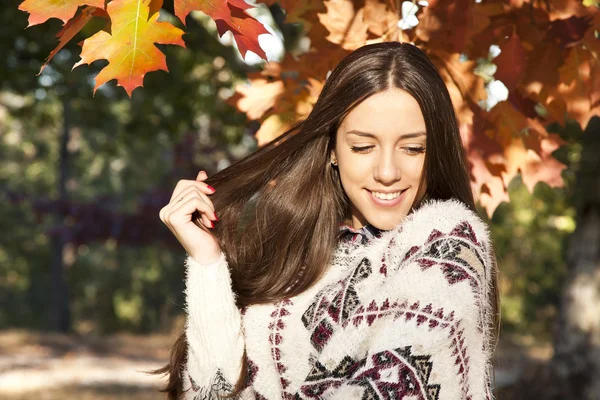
(353, 173)
(414, 168)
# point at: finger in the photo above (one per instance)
(186, 183)
(182, 214)
(202, 175)
(194, 190)
(190, 193)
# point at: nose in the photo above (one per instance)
(387, 169)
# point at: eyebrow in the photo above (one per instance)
(405, 136)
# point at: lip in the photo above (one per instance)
(387, 203)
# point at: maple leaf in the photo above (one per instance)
(42, 10)
(486, 164)
(527, 147)
(229, 15)
(511, 63)
(72, 28)
(130, 49)
(273, 127)
(449, 25)
(578, 85)
(381, 20)
(466, 89)
(258, 97)
(346, 26)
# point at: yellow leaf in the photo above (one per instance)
(130, 48)
(346, 25)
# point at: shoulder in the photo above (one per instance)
(443, 220)
(440, 232)
(444, 216)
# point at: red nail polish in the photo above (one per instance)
(212, 224)
(211, 188)
(216, 217)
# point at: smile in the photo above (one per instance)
(387, 199)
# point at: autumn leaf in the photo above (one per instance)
(549, 62)
(450, 25)
(257, 97)
(42, 10)
(72, 28)
(273, 127)
(486, 163)
(542, 167)
(299, 11)
(229, 15)
(345, 24)
(511, 63)
(130, 49)
(381, 20)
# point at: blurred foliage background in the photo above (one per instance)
(83, 176)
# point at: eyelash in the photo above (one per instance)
(364, 150)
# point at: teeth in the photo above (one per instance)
(386, 196)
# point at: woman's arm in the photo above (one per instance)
(214, 331)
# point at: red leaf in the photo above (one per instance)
(511, 62)
(229, 15)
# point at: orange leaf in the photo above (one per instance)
(562, 9)
(72, 28)
(346, 26)
(130, 49)
(486, 165)
(272, 128)
(229, 15)
(578, 85)
(42, 10)
(449, 25)
(464, 86)
(258, 97)
(381, 20)
(543, 167)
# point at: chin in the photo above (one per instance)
(387, 224)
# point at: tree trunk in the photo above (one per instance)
(576, 361)
(60, 297)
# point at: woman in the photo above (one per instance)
(348, 260)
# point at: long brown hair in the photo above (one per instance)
(279, 208)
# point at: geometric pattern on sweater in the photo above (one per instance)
(389, 374)
(276, 327)
(333, 305)
(454, 255)
(339, 305)
(218, 385)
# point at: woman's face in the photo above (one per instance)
(380, 151)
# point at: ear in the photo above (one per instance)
(333, 157)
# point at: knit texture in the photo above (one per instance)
(400, 314)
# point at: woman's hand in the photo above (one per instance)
(188, 197)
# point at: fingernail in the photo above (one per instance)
(211, 188)
(216, 216)
(212, 224)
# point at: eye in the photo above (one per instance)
(365, 149)
(414, 150)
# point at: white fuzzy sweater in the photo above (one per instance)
(400, 315)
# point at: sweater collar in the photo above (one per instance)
(362, 235)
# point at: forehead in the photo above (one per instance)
(388, 112)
